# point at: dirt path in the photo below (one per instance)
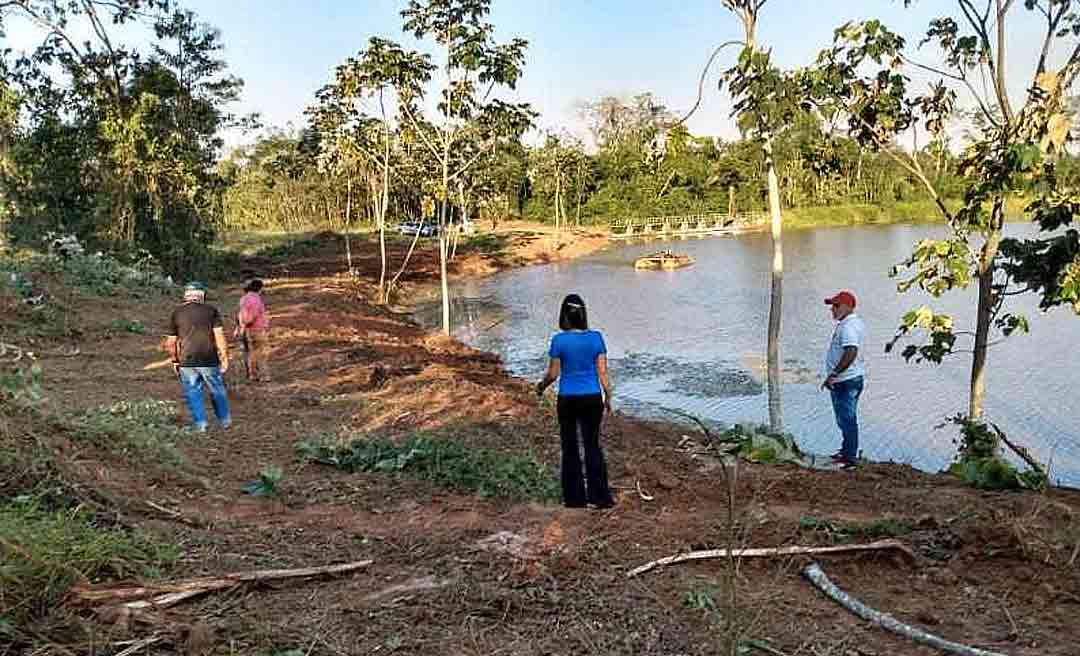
(460, 574)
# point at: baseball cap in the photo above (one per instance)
(195, 286)
(841, 298)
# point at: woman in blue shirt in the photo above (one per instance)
(579, 362)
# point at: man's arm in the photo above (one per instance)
(222, 347)
(850, 353)
(172, 348)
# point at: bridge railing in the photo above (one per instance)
(705, 223)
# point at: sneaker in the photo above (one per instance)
(838, 457)
(199, 428)
(846, 465)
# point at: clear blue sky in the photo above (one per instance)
(579, 50)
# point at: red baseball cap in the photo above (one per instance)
(842, 298)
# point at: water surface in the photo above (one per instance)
(694, 340)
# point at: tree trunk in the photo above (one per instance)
(558, 203)
(383, 292)
(443, 283)
(985, 312)
(776, 417)
(348, 223)
(731, 209)
(580, 193)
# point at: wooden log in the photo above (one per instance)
(815, 575)
(169, 594)
(770, 552)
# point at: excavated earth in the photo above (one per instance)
(461, 574)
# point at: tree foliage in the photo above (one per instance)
(112, 142)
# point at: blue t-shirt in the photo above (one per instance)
(577, 352)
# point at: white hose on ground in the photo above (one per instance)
(816, 576)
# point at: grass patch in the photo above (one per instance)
(300, 247)
(143, 430)
(43, 552)
(873, 530)
(485, 243)
(444, 462)
(133, 326)
(921, 211)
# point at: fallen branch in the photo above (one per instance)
(880, 545)
(169, 594)
(642, 494)
(138, 646)
(816, 576)
(1024, 454)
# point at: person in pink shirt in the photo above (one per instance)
(253, 327)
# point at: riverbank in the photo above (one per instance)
(469, 553)
(851, 214)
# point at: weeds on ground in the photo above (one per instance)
(24, 462)
(133, 326)
(444, 462)
(43, 552)
(842, 531)
(47, 539)
(297, 248)
(485, 243)
(266, 485)
(143, 430)
(702, 597)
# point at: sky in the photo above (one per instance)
(579, 50)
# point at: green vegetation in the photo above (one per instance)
(980, 463)
(756, 443)
(144, 431)
(702, 597)
(117, 144)
(443, 461)
(44, 551)
(266, 485)
(48, 538)
(25, 273)
(876, 529)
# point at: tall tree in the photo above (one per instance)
(474, 65)
(354, 139)
(1015, 147)
(764, 102)
(137, 130)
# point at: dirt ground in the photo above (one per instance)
(458, 574)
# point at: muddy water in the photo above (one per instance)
(694, 341)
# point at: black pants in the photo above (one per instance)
(586, 412)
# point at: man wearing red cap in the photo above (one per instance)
(844, 370)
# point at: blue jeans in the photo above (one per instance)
(192, 380)
(845, 403)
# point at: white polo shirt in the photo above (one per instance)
(850, 331)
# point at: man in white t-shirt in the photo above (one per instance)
(844, 370)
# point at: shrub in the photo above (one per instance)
(99, 274)
(757, 443)
(445, 462)
(43, 552)
(979, 463)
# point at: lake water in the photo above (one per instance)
(694, 340)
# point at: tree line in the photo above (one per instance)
(640, 162)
